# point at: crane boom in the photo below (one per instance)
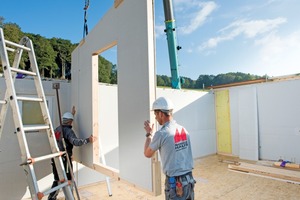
(172, 43)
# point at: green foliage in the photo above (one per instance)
(205, 81)
(1, 21)
(63, 49)
(12, 33)
(233, 78)
(104, 71)
(114, 75)
(53, 55)
(163, 80)
(188, 83)
(45, 55)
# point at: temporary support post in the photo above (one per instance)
(104, 163)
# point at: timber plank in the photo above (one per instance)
(267, 171)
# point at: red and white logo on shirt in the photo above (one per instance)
(180, 137)
(180, 140)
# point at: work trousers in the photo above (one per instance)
(53, 195)
(188, 184)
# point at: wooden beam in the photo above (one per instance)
(156, 175)
(106, 170)
(267, 171)
(287, 165)
(228, 158)
(262, 80)
(117, 3)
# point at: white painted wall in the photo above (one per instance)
(265, 120)
(194, 110)
(244, 122)
(108, 124)
(277, 122)
(130, 26)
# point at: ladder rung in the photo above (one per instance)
(23, 71)
(17, 45)
(41, 158)
(29, 99)
(64, 184)
(10, 49)
(3, 102)
(35, 127)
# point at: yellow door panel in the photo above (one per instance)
(223, 121)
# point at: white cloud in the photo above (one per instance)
(249, 29)
(194, 12)
(280, 55)
(199, 17)
(159, 30)
(254, 27)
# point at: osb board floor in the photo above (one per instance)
(214, 181)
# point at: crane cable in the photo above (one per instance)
(85, 26)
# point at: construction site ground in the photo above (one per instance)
(214, 181)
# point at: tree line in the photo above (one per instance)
(205, 81)
(54, 60)
(53, 55)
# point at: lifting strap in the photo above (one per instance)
(85, 26)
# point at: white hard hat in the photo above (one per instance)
(162, 103)
(68, 115)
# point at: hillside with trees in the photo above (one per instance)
(54, 60)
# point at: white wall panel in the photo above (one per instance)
(279, 120)
(131, 27)
(195, 111)
(248, 124)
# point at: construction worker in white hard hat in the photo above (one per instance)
(173, 143)
(71, 140)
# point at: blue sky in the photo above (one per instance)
(250, 36)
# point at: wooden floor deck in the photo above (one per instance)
(214, 181)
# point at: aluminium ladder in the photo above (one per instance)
(11, 98)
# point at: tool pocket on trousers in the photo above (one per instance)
(170, 193)
(179, 189)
